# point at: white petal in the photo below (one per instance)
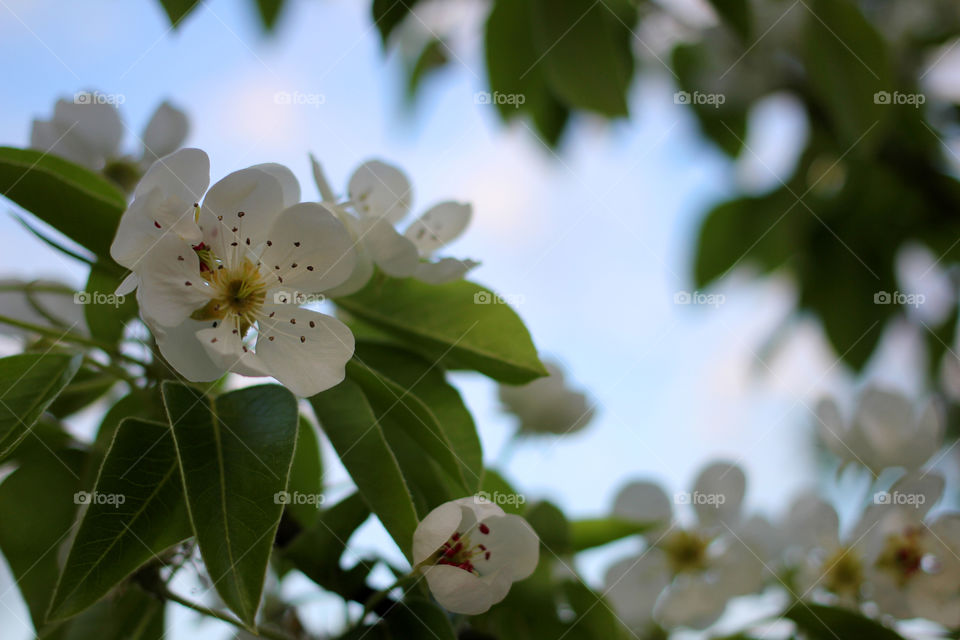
(98, 124)
(137, 232)
(458, 591)
(238, 212)
(128, 284)
(48, 136)
(181, 347)
(643, 502)
(288, 181)
(812, 522)
(832, 429)
(361, 274)
(723, 485)
(308, 351)
(171, 286)
(224, 345)
(478, 508)
(380, 190)
(438, 226)
(444, 271)
(691, 602)
(320, 178)
(308, 249)
(165, 133)
(184, 174)
(511, 543)
(393, 253)
(634, 584)
(435, 529)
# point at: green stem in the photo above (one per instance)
(378, 597)
(67, 336)
(219, 615)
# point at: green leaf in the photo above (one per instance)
(388, 14)
(594, 617)
(460, 321)
(28, 384)
(495, 484)
(353, 430)
(135, 512)
(428, 383)
(596, 532)
(106, 313)
(306, 474)
(419, 619)
(395, 405)
(30, 537)
(820, 622)
(576, 38)
(317, 550)
(77, 202)
(88, 386)
(551, 526)
(235, 455)
(847, 64)
(433, 57)
(177, 10)
(269, 12)
(513, 69)
(132, 614)
(738, 15)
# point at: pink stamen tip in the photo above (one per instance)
(486, 556)
(484, 529)
(482, 548)
(455, 536)
(156, 224)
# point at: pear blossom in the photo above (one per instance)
(547, 405)
(89, 131)
(379, 197)
(887, 430)
(687, 574)
(470, 552)
(215, 279)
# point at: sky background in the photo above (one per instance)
(591, 245)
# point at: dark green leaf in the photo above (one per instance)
(432, 58)
(428, 383)
(494, 484)
(177, 10)
(398, 405)
(317, 550)
(135, 512)
(30, 538)
(131, 614)
(738, 15)
(821, 622)
(353, 430)
(847, 64)
(269, 12)
(595, 532)
(419, 619)
(107, 314)
(235, 456)
(594, 616)
(576, 39)
(28, 384)
(388, 14)
(88, 386)
(551, 526)
(306, 475)
(77, 202)
(460, 321)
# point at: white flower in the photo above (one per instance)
(380, 196)
(90, 132)
(686, 576)
(219, 293)
(470, 552)
(547, 405)
(887, 430)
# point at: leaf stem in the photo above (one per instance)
(68, 336)
(224, 617)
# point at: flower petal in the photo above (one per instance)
(691, 602)
(435, 529)
(308, 249)
(96, 123)
(726, 483)
(443, 271)
(320, 178)
(305, 350)
(183, 175)
(238, 212)
(644, 502)
(165, 133)
(511, 544)
(288, 181)
(171, 286)
(380, 190)
(439, 226)
(458, 591)
(181, 347)
(395, 255)
(634, 584)
(48, 136)
(224, 344)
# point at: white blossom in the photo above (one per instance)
(470, 552)
(547, 405)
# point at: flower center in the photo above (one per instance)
(843, 572)
(239, 292)
(686, 551)
(902, 555)
(459, 552)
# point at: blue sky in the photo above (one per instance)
(592, 244)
